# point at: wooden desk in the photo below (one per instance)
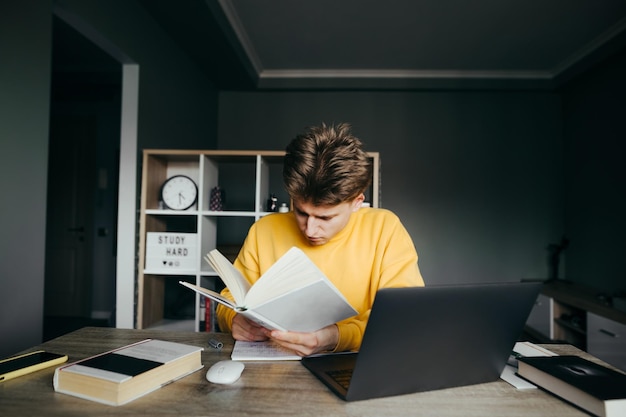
(279, 388)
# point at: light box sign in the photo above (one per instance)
(167, 251)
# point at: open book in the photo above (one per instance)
(293, 294)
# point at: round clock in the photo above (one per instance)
(179, 192)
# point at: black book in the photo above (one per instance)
(593, 387)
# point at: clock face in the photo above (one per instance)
(179, 192)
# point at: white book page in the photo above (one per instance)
(97, 373)
(261, 351)
(261, 320)
(306, 309)
(158, 351)
(293, 270)
(211, 294)
(509, 374)
(531, 349)
(233, 279)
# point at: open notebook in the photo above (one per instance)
(428, 338)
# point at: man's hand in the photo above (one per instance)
(305, 344)
(247, 330)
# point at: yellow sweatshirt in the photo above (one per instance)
(373, 251)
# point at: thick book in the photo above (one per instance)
(293, 294)
(125, 374)
(592, 387)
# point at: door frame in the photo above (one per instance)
(127, 193)
(127, 196)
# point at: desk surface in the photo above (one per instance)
(278, 388)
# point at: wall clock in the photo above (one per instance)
(179, 192)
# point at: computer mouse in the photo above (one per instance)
(225, 372)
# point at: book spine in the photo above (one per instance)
(202, 314)
(208, 315)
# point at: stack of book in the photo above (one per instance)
(595, 388)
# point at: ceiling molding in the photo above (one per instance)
(242, 36)
(408, 74)
(592, 47)
(399, 79)
(413, 79)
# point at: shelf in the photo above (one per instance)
(584, 298)
(574, 314)
(174, 325)
(166, 212)
(247, 179)
(571, 326)
(221, 213)
(170, 273)
(227, 213)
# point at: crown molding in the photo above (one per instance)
(548, 79)
(403, 79)
(242, 36)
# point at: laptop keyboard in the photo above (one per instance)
(341, 376)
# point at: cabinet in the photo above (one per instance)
(247, 179)
(574, 314)
(606, 339)
(540, 318)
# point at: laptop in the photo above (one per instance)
(429, 338)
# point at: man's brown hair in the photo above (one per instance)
(326, 165)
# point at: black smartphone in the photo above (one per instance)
(28, 362)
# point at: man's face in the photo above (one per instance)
(319, 224)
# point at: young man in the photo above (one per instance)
(359, 249)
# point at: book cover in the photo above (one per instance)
(119, 376)
(293, 294)
(595, 388)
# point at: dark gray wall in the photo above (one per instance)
(25, 48)
(177, 109)
(595, 134)
(476, 177)
(172, 87)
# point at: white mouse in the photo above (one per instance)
(225, 372)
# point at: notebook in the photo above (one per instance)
(429, 338)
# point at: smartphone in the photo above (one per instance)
(28, 362)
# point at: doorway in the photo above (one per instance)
(80, 275)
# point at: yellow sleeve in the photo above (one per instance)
(395, 265)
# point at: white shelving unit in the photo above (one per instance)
(248, 178)
(573, 313)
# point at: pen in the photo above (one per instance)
(216, 344)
